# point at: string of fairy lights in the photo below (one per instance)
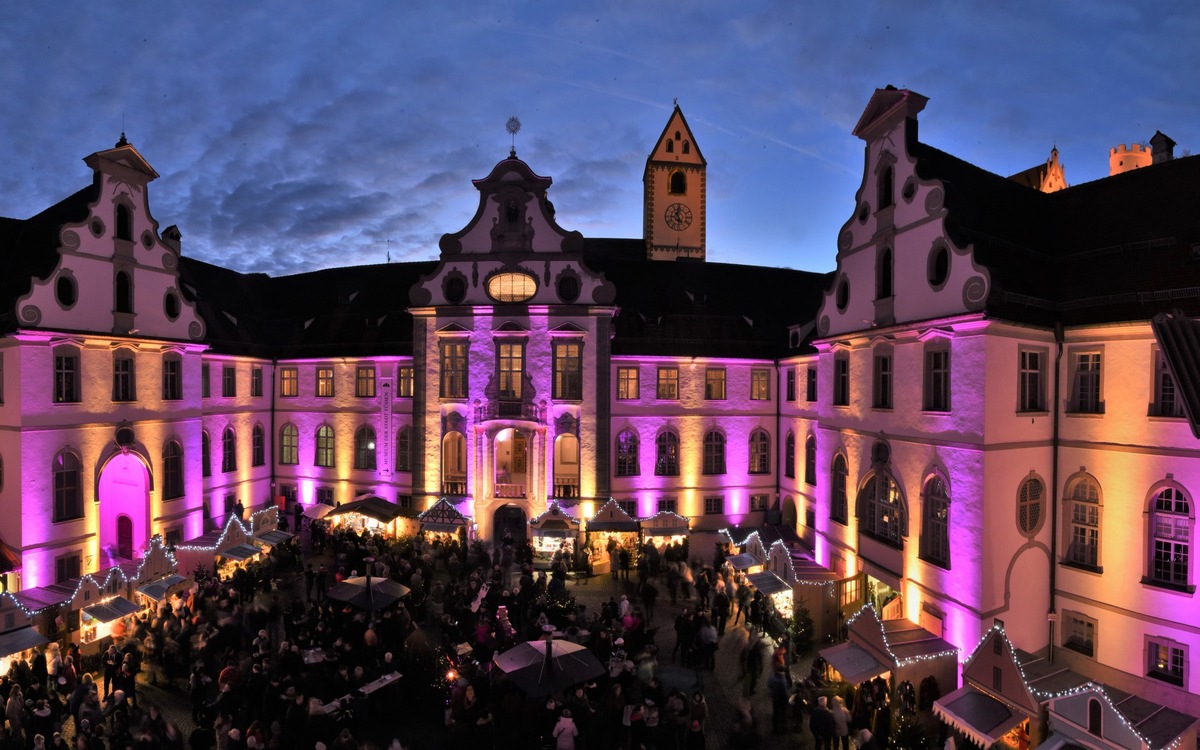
(898, 660)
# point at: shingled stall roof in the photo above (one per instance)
(690, 308)
(349, 311)
(1115, 249)
(29, 248)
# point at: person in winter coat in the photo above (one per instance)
(820, 723)
(841, 723)
(565, 732)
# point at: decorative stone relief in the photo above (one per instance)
(823, 325)
(974, 293)
(933, 200)
(31, 315)
(845, 239)
(566, 424)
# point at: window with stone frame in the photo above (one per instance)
(258, 446)
(364, 381)
(324, 446)
(172, 470)
(666, 456)
(789, 456)
(714, 453)
(937, 378)
(841, 379)
(256, 381)
(1171, 523)
(1167, 401)
(1082, 510)
(810, 385)
(628, 387)
(289, 382)
(1079, 633)
(1031, 396)
(568, 370)
(935, 522)
(123, 384)
(627, 454)
(68, 488)
(714, 505)
(404, 382)
(838, 491)
(790, 380)
(760, 385)
(1086, 373)
(325, 382)
(172, 377)
(668, 383)
(228, 451)
(404, 449)
(66, 375)
(760, 452)
(714, 384)
(289, 445)
(453, 369)
(1166, 660)
(228, 381)
(364, 448)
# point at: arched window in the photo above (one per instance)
(228, 450)
(205, 455)
(714, 453)
(68, 492)
(289, 445)
(172, 470)
(1095, 718)
(670, 147)
(810, 460)
(404, 449)
(1029, 505)
(364, 448)
(935, 526)
(627, 454)
(123, 294)
(838, 503)
(887, 178)
(124, 223)
(324, 454)
(678, 183)
(1081, 522)
(454, 464)
(760, 452)
(883, 274)
(258, 448)
(666, 458)
(687, 147)
(1170, 537)
(789, 456)
(881, 512)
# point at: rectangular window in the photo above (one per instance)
(714, 506)
(667, 505)
(454, 369)
(325, 382)
(67, 567)
(668, 383)
(791, 384)
(404, 502)
(66, 378)
(172, 537)
(230, 505)
(1030, 394)
(714, 384)
(568, 370)
(883, 382)
(760, 385)
(759, 502)
(172, 380)
(1086, 383)
(364, 382)
(205, 383)
(937, 380)
(289, 382)
(850, 594)
(810, 385)
(841, 380)
(288, 493)
(628, 387)
(256, 382)
(510, 359)
(228, 381)
(1166, 397)
(123, 377)
(1165, 660)
(1079, 633)
(325, 495)
(629, 507)
(404, 382)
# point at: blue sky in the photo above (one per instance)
(295, 135)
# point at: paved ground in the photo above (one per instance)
(722, 688)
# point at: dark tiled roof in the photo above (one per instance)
(1179, 339)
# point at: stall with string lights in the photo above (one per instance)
(611, 526)
(372, 513)
(881, 655)
(664, 529)
(221, 552)
(553, 531)
(443, 521)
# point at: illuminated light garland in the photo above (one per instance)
(1047, 695)
(233, 519)
(613, 502)
(895, 659)
(561, 511)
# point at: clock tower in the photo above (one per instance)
(673, 194)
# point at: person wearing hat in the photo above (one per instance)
(565, 732)
(820, 723)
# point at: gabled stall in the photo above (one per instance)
(217, 551)
(444, 520)
(553, 531)
(611, 529)
(1104, 716)
(373, 513)
(664, 529)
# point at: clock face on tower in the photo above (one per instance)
(678, 216)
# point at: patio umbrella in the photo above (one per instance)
(368, 592)
(317, 511)
(547, 667)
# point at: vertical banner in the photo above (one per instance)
(386, 444)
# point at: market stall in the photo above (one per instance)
(20, 637)
(553, 531)
(374, 514)
(881, 656)
(443, 521)
(609, 531)
(217, 551)
(664, 530)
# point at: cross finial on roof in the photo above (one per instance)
(513, 126)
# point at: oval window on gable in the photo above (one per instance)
(65, 291)
(511, 287)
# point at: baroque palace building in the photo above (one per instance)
(980, 416)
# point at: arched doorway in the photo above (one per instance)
(509, 520)
(789, 512)
(124, 493)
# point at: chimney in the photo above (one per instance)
(1161, 148)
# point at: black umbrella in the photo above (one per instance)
(548, 666)
(367, 592)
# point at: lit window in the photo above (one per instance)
(1082, 511)
(404, 384)
(666, 461)
(228, 450)
(511, 287)
(364, 448)
(627, 455)
(66, 375)
(1166, 660)
(759, 502)
(1030, 397)
(324, 453)
(760, 452)
(1170, 535)
(714, 384)
(364, 382)
(454, 464)
(760, 385)
(881, 512)
(714, 453)
(1085, 397)
(325, 382)
(1079, 633)
(935, 529)
(289, 382)
(628, 387)
(510, 362)
(454, 369)
(289, 445)
(668, 383)
(568, 370)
